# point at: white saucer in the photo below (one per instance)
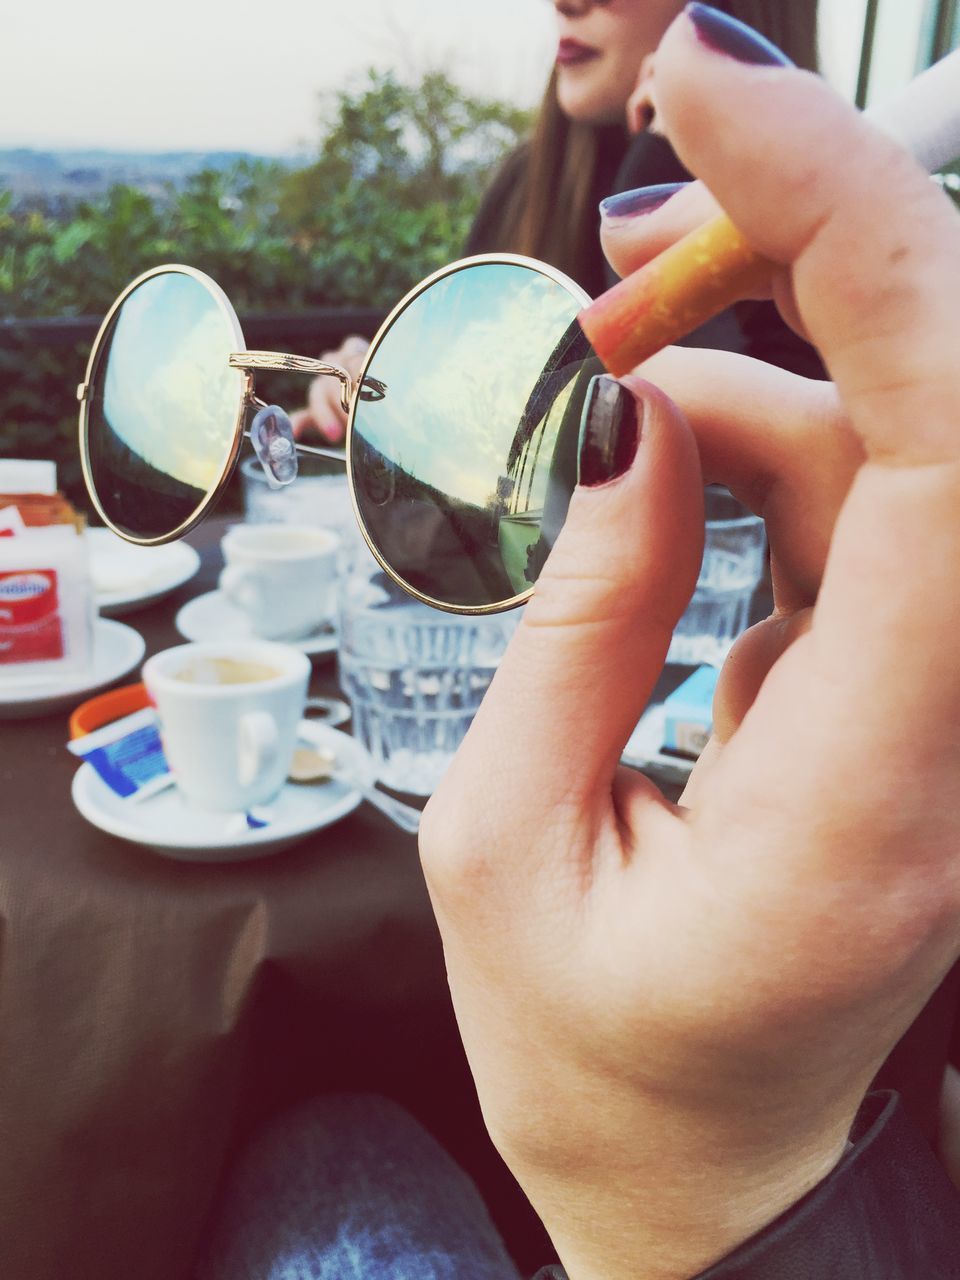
(213, 617)
(127, 577)
(645, 748)
(167, 825)
(117, 649)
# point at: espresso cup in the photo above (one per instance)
(229, 714)
(283, 577)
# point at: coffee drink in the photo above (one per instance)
(229, 713)
(214, 670)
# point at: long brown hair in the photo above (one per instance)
(551, 213)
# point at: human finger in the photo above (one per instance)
(641, 107)
(875, 271)
(324, 417)
(351, 353)
(779, 442)
(304, 427)
(891, 280)
(637, 225)
(581, 666)
(326, 411)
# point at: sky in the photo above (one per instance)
(201, 74)
(211, 74)
(461, 321)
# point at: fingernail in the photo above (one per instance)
(630, 204)
(723, 34)
(609, 431)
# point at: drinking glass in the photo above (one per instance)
(321, 495)
(414, 676)
(733, 558)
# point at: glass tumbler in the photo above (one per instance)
(318, 496)
(733, 559)
(414, 676)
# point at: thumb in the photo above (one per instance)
(591, 645)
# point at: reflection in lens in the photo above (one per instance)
(163, 410)
(464, 470)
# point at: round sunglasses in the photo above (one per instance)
(463, 424)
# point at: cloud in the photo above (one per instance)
(460, 366)
(170, 394)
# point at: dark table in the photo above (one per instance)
(151, 1012)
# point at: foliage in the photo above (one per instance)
(388, 199)
(396, 184)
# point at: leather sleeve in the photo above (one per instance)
(886, 1212)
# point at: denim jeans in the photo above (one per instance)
(349, 1187)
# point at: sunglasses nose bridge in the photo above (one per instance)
(271, 434)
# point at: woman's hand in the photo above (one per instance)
(672, 1013)
(323, 419)
(641, 105)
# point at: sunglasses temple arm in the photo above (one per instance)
(319, 451)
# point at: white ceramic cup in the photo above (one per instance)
(282, 576)
(229, 713)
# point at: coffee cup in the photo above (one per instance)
(229, 714)
(283, 577)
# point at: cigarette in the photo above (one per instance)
(714, 266)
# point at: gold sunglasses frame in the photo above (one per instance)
(245, 361)
(250, 361)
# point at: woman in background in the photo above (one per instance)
(592, 139)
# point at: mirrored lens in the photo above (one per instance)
(162, 413)
(463, 471)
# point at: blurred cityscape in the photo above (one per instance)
(55, 180)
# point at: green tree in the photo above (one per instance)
(388, 199)
(396, 183)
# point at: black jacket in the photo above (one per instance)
(886, 1212)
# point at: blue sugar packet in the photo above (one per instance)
(127, 754)
(688, 713)
(240, 824)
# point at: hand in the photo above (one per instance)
(629, 246)
(672, 1013)
(641, 105)
(323, 418)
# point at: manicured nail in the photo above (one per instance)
(609, 431)
(723, 34)
(630, 204)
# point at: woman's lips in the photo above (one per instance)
(572, 52)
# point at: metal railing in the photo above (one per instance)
(303, 332)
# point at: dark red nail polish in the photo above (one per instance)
(723, 34)
(609, 432)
